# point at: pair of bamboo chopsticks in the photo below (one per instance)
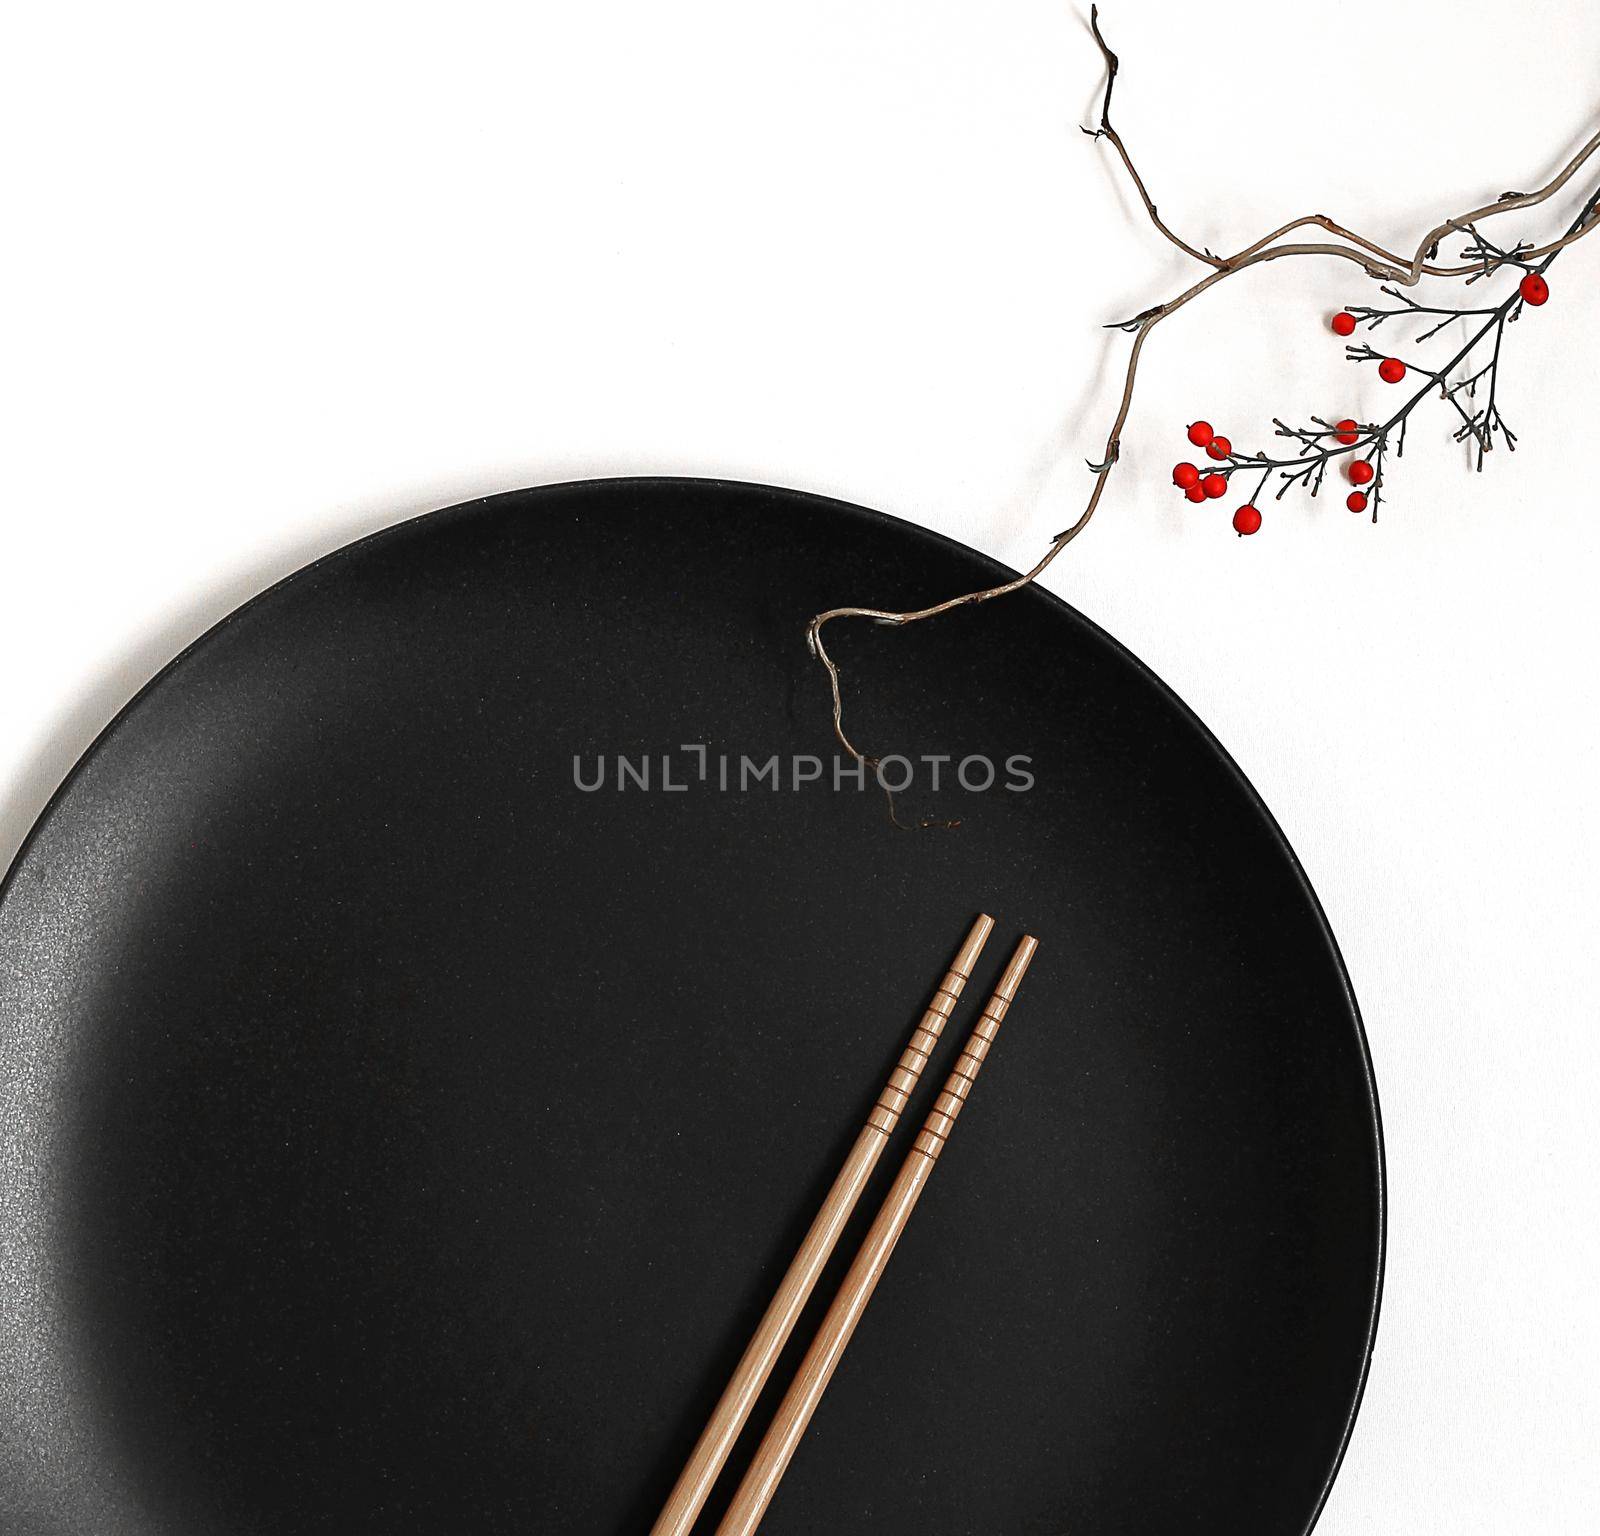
(750, 1375)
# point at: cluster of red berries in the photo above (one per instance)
(1199, 487)
(1533, 288)
(1391, 370)
(1360, 472)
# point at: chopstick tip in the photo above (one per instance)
(1017, 966)
(972, 945)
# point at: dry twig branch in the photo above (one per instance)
(1481, 258)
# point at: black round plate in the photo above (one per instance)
(400, 1138)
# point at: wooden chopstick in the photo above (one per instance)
(800, 1402)
(772, 1333)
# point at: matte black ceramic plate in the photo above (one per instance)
(399, 1138)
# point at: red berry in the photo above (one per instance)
(1185, 475)
(1194, 493)
(1391, 370)
(1344, 323)
(1214, 486)
(1246, 520)
(1534, 289)
(1345, 432)
(1200, 433)
(1219, 448)
(1360, 472)
(1356, 501)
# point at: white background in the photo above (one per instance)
(278, 276)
